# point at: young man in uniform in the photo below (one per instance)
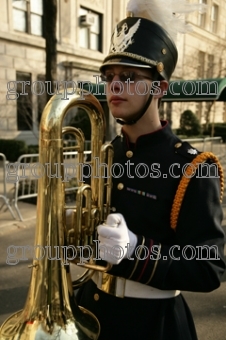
(157, 242)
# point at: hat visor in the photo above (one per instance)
(124, 62)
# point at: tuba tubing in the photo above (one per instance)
(50, 310)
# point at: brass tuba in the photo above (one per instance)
(51, 311)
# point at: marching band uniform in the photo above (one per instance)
(146, 205)
(179, 240)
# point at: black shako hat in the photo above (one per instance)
(142, 43)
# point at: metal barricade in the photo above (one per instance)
(27, 171)
(3, 189)
(26, 186)
(211, 144)
(215, 145)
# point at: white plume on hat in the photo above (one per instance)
(166, 13)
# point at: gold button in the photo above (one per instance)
(96, 297)
(120, 186)
(178, 145)
(113, 209)
(163, 51)
(160, 67)
(129, 154)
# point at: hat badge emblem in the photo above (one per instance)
(123, 38)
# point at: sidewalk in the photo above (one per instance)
(8, 223)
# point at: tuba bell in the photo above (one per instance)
(51, 311)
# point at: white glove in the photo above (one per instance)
(116, 240)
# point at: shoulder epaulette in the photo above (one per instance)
(185, 149)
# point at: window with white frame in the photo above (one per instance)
(28, 16)
(202, 15)
(214, 18)
(90, 29)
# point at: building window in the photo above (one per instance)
(28, 16)
(201, 65)
(41, 98)
(24, 102)
(202, 16)
(221, 69)
(90, 29)
(214, 18)
(210, 66)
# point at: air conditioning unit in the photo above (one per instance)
(87, 20)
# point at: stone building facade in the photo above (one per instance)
(202, 55)
(84, 29)
(80, 47)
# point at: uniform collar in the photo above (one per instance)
(153, 138)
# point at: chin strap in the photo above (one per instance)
(139, 115)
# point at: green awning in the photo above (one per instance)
(179, 90)
(196, 90)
